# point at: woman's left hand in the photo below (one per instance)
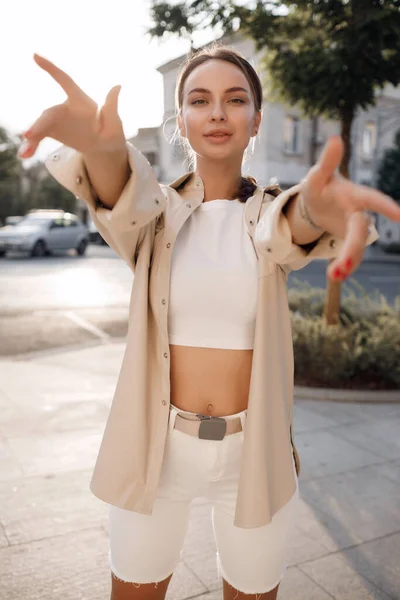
(336, 205)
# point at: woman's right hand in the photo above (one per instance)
(78, 122)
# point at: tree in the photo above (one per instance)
(326, 56)
(389, 170)
(50, 194)
(10, 173)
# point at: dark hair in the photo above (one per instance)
(247, 185)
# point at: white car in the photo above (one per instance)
(41, 232)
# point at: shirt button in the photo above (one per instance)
(79, 179)
(251, 222)
(168, 245)
(269, 250)
(133, 222)
(189, 205)
(164, 402)
(163, 301)
(165, 355)
(156, 200)
(55, 156)
(332, 243)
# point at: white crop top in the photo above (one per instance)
(214, 280)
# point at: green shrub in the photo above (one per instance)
(362, 352)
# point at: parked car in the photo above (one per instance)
(94, 235)
(13, 220)
(42, 231)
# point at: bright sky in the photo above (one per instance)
(100, 43)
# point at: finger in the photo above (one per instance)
(366, 198)
(41, 128)
(111, 101)
(65, 81)
(109, 111)
(27, 149)
(331, 156)
(353, 247)
(327, 164)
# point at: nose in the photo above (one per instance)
(217, 113)
(218, 118)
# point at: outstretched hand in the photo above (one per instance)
(338, 206)
(78, 122)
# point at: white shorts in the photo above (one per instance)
(146, 549)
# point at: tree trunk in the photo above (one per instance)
(333, 292)
(314, 140)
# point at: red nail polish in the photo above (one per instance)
(349, 264)
(23, 149)
(337, 273)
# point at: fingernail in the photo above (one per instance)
(348, 264)
(339, 275)
(23, 149)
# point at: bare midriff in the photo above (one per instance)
(210, 381)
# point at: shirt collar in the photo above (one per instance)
(194, 183)
(191, 180)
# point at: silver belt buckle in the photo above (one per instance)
(212, 428)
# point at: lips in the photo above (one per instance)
(218, 133)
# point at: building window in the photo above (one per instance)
(369, 140)
(291, 134)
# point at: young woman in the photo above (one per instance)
(203, 405)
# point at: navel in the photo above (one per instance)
(210, 409)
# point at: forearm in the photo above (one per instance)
(303, 232)
(108, 173)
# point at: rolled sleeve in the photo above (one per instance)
(273, 237)
(140, 203)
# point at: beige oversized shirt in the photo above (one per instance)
(142, 228)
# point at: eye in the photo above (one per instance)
(198, 101)
(238, 101)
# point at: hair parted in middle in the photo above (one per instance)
(247, 185)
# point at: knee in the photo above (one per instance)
(127, 590)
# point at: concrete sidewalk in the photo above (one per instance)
(53, 532)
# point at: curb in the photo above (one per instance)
(300, 392)
(335, 395)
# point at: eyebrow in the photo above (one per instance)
(205, 91)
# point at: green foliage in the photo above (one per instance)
(183, 18)
(170, 19)
(389, 171)
(10, 169)
(40, 189)
(9, 163)
(363, 352)
(50, 194)
(330, 57)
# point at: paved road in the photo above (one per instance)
(65, 299)
(98, 279)
(375, 278)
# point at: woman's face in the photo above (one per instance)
(218, 114)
